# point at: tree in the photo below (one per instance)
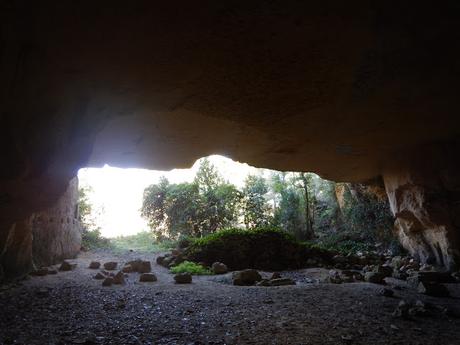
(255, 207)
(191, 209)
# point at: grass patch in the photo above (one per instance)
(140, 242)
(260, 248)
(190, 267)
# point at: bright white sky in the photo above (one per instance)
(117, 193)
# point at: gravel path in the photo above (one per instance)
(73, 308)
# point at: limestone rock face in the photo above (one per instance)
(425, 201)
(45, 238)
(57, 231)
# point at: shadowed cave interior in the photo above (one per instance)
(362, 93)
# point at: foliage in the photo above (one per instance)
(92, 239)
(140, 242)
(191, 209)
(190, 267)
(261, 248)
(91, 235)
(255, 208)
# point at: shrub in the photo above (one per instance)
(190, 267)
(260, 248)
(92, 239)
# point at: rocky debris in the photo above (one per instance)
(386, 292)
(429, 277)
(119, 278)
(433, 289)
(148, 277)
(39, 272)
(246, 277)
(374, 277)
(219, 268)
(344, 276)
(402, 310)
(183, 278)
(94, 265)
(111, 265)
(108, 281)
(99, 276)
(127, 268)
(275, 275)
(171, 259)
(66, 266)
(140, 266)
(281, 282)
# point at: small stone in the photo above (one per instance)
(111, 265)
(99, 276)
(263, 282)
(386, 292)
(433, 289)
(183, 278)
(107, 281)
(127, 269)
(147, 277)
(281, 282)
(119, 278)
(374, 277)
(276, 275)
(219, 268)
(402, 310)
(66, 266)
(246, 277)
(94, 265)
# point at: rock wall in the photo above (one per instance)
(57, 232)
(44, 238)
(425, 199)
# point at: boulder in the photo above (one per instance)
(99, 276)
(94, 265)
(334, 277)
(374, 277)
(263, 282)
(119, 278)
(386, 292)
(148, 277)
(66, 266)
(433, 289)
(107, 281)
(219, 268)
(246, 277)
(127, 268)
(111, 265)
(52, 271)
(183, 278)
(160, 259)
(140, 266)
(385, 270)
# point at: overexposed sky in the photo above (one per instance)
(117, 193)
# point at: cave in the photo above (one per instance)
(363, 92)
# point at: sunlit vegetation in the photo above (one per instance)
(190, 267)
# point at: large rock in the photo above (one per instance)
(424, 202)
(219, 268)
(246, 277)
(147, 277)
(183, 278)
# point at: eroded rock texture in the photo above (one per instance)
(333, 87)
(45, 237)
(425, 199)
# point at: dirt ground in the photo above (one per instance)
(73, 308)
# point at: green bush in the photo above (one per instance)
(260, 248)
(190, 267)
(92, 239)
